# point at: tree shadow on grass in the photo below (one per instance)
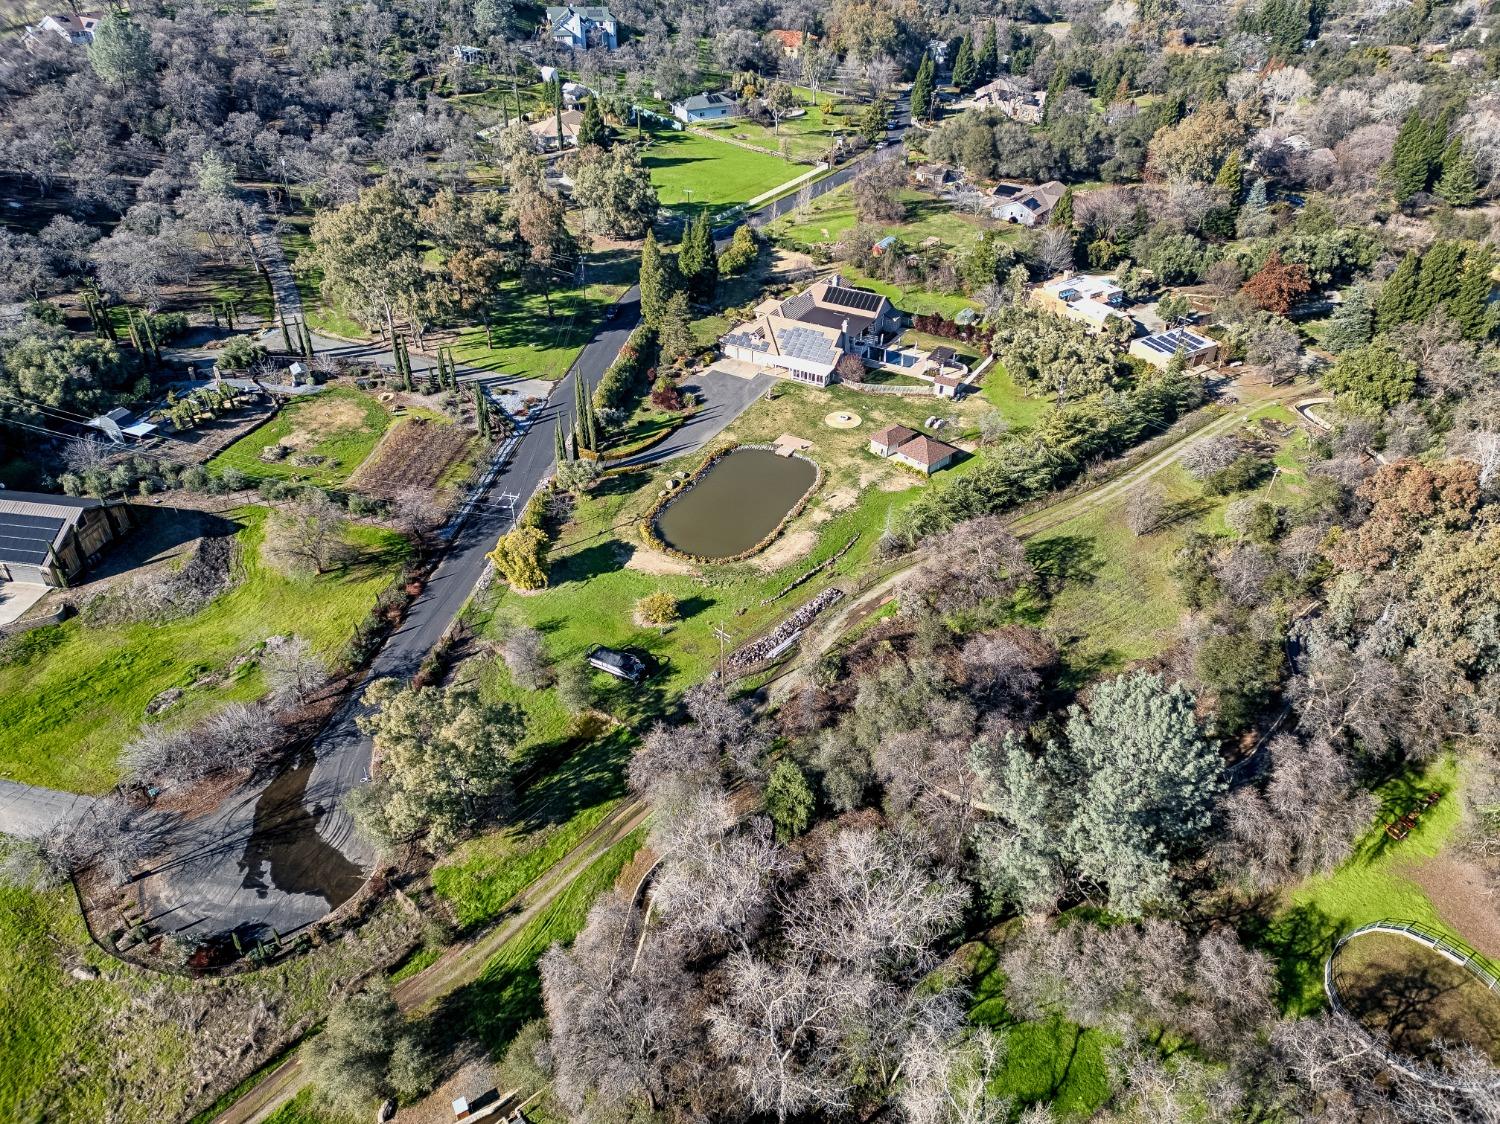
(584, 774)
(1299, 942)
(590, 562)
(1063, 559)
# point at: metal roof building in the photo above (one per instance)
(48, 540)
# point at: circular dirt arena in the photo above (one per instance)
(1415, 996)
(842, 419)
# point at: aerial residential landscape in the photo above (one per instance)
(660, 563)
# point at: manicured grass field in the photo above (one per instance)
(71, 695)
(831, 216)
(527, 342)
(1372, 885)
(1000, 391)
(694, 173)
(808, 137)
(340, 425)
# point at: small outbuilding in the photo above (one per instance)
(925, 454)
(889, 439)
(1160, 348)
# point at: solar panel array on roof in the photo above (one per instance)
(27, 538)
(1178, 339)
(852, 298)
(804, 343)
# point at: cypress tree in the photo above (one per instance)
(1459, 184)
(1231, 178)
(1411, 159)
(656, 281)
(481, 413)
(1055, 90)
(1470, 306)
(921, 90)
(1398, 296)
(559, 445)
(1439, 277)
(557, 114)
(988, 62)
(286, 337)
(592, 130)
(1062, 214)
(964, 65)
(698, 260)
(1353, 324)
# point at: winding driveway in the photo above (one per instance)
(280, 854)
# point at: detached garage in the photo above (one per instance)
(48, 540)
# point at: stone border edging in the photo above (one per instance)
(656, 542)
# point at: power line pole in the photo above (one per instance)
(724, 638)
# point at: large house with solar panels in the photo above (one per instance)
(48, 540)
(1158, 349)
(805, 336)
(582, 27)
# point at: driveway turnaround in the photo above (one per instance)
(724, 396)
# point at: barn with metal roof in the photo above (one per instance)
(48, 540)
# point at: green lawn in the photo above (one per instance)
(1371, 886)
(1020, 409)
(321, 317)
(528, 342)
(831, 216)
(693, 173)
(1048, 1061)
(340, 425)
(71, 695)
(912, 298)
(507, 993)
(809, 137)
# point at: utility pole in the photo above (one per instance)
(724, 638)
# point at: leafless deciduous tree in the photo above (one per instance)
(292, 669)
(308, 535)
(1304, 823)
(1210, 455)
(1146, 510)
(525, 656)
(977, 561)
(239, 736)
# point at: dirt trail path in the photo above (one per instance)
(459, 965)
(826, 631)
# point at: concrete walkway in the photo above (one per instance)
(16, 598)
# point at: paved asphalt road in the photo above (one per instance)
(26, 810)
(280, 857)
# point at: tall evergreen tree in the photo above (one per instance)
(657, 282)
(592, 130)
(698, 260)
(1439, 277)
(873, 120)
(559, 442)
(988, 60)
(1458, 186)
(1231, 178)
(1470, 305)
(964, 65)
(1062, 214)
(1055, 90)
(1399, 295)
(1353, 324)
(1286, 24)
(1412, 159)
(922, 90)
